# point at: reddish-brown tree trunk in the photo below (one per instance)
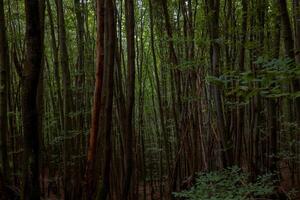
(90, 178)
(107, 96)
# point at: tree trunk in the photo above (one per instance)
(287, 29)
(273, 107)
(213, 10)
(129, 134)
(32, 67)
(80, 75)
(107, 95)
(40, 92)
(67, 94)
(56, 66)
(4, 65)
(90, 178)
(296, 83)
(241, 109)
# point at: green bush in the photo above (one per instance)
(228, 184)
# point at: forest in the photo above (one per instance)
(150, 99)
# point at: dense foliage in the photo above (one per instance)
(127, 99)
(229, 184)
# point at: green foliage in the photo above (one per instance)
(228, 184)
(270, 80)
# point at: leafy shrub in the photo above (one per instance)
(228, 184)
(268, 81)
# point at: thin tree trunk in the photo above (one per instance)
(56, 66)
(273, 104)
(40, 92)
(67, 94)
(80, 64)
(241, 109)
(4, 65)
(214, 9)
(129, 134)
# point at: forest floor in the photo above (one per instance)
(287, 183)
(52, 186)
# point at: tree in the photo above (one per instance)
(67, 102)
(93, 142)
(32, 67)
(287, 30)
(124, 99)
(214, 12)
(4, 65)
(129, 134)
(107, 96)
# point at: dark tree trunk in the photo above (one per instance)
(40, 92)
(287, 29)
(273, 107)
(4, 65)
(80, 63)
(107, 96)
(129, 131)
(289, 49)
(56, 65)
(31, 75)
(241, 110)
(214, 11)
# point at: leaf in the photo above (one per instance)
(295, 94)
(215, 80)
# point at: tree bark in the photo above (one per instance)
(129, 134)
(90, 179)
(107, 95)
(32, 67)
(214, 9)
(273, 103)
(287, 29)
(4, 65)
(289, 48)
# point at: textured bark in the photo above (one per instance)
(289, 47)
(175, 77)
(297, 52)
(244, 35)
(296, 9)
(4, 65)
(91, 157)
(241, 110)
(107, 96)
(287, 29)
(169, 30)
(129, 134)
(40, 96)
(32, 67)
